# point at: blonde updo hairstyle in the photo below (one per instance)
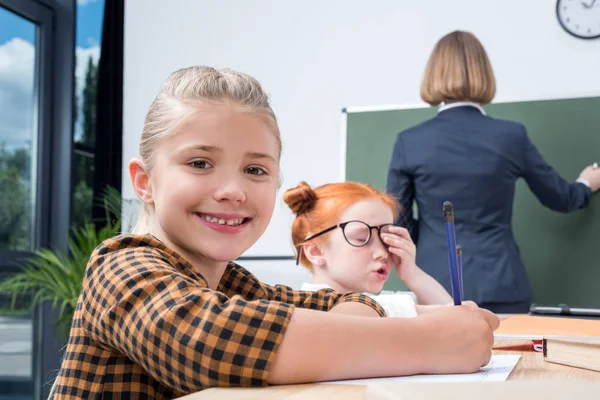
(178, 100)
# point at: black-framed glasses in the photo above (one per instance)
(357, 234)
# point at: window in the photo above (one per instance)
(18, 131)
(18, 149)
(36, 108)
(47, 150)
(88, 35)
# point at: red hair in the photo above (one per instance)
(318, 209)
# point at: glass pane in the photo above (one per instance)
(17, 131)
(15, 343)
(88, 35)
(18, 137)
(83, 188)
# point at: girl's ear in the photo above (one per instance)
(140, 181)
(313, 253)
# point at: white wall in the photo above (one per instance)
(278, 272)
(315, 57)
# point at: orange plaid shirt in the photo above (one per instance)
(147, 326)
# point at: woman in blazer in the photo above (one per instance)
(474, 160)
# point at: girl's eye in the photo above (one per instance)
(255, 171)
(200, 164)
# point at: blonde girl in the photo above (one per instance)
(165, 312)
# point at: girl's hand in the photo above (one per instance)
(403, 252)
(462, 338)
(422, 309)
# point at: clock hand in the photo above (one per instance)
(588, 6)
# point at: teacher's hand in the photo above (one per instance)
(592, 175)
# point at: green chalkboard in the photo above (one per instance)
(560, 251)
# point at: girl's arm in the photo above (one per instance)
(356, 309)
(185, 335)
(422, 309)
(189, 337)
(324, 346)
(404, 251)
(427, 289)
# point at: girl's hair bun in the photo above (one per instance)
(300, 199)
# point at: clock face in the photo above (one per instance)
(581, 18)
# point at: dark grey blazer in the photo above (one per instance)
(473, 160)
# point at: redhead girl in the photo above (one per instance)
(344, 234)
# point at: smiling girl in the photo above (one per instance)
(165, 312)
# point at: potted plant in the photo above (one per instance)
(57, 276)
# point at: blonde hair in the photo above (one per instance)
(178, 100)
(458, 69)
(319, 208)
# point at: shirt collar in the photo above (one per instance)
(443, 106)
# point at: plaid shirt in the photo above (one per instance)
(147, 326)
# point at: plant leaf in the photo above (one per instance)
(56, 276)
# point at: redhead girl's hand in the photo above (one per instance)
(403, 252)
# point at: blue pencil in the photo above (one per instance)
(451, 244)
(459, 254)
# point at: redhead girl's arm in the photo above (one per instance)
(404, 251)
(428, 290)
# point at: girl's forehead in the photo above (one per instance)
(372, 211)
(228, 131)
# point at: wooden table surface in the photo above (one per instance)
(531, 367)
(532, 370)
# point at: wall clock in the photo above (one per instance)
(581, 18)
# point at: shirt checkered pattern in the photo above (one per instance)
(147, 326)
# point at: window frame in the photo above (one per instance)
(54, 91)
(53, 78)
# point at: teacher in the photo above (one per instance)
(474, 160)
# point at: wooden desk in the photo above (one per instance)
(531, 367)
